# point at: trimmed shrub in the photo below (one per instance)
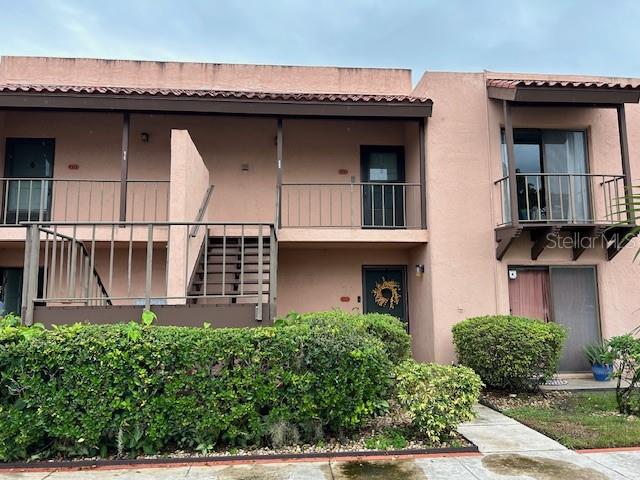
(508, 352)
(386, 328)
(87, 390)
(438, 397)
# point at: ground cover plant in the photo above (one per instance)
(577, 420)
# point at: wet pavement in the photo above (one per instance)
(508, 466)
(509, 449)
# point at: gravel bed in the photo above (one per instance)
(502, 400)
(327, 446)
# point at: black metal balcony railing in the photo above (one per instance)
(351, 205)
(574, 198)
(58, 199)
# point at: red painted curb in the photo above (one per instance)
(243, 462)
(611, 450)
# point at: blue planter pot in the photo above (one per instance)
(601, 373)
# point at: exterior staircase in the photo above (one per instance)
(231, 270)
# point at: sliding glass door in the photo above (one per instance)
(574, 304)
(551, 180)
(564, 152)
(565, 295)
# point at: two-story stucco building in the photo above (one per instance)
(234, 193)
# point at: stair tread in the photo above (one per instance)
(230, 257)
(209, 262)
(217, 239)
(228, 291)
(226, 284)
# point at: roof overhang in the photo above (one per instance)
(590, 93)
(298, 105)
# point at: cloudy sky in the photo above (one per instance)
(560, 36)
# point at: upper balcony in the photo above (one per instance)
(572, 199)
(283, 158)
(376, 204)
(81, 200)
(568, 178)
(334, 180)
(580, 204)
(369, 205)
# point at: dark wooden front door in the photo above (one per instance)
(385, 291)
(383, 195)
(28, 166)
(10, 290)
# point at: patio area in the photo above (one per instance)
(581, 383)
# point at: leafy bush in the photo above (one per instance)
(510, 353)
(86, 390)
(12, 330)
(438, 397)
(387, 328)
(626, 350)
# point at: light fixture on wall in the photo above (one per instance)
(419, 270)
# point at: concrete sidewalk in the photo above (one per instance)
(509, 449)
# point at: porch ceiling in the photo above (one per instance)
(214, 101)
(563, 91)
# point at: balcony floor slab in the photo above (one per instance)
(316, 236)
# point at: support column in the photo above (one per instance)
(273, 238)
(26, 268)
(423, 174)
(626, 166)
(511, 162)
(279, 152)
(30, 273)
(124, 167)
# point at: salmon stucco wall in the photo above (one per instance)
(460, 258)
(421, 305)
(190, 180)
(150, 74)
(316, 278)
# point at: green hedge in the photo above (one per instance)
(438, 397)
(96, 390)
(388, 329)
(508, 352)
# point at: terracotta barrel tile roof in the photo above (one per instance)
(503, 83)
(218, 94)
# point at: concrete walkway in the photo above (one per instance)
(509, 449)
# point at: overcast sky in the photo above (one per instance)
(559, 36)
